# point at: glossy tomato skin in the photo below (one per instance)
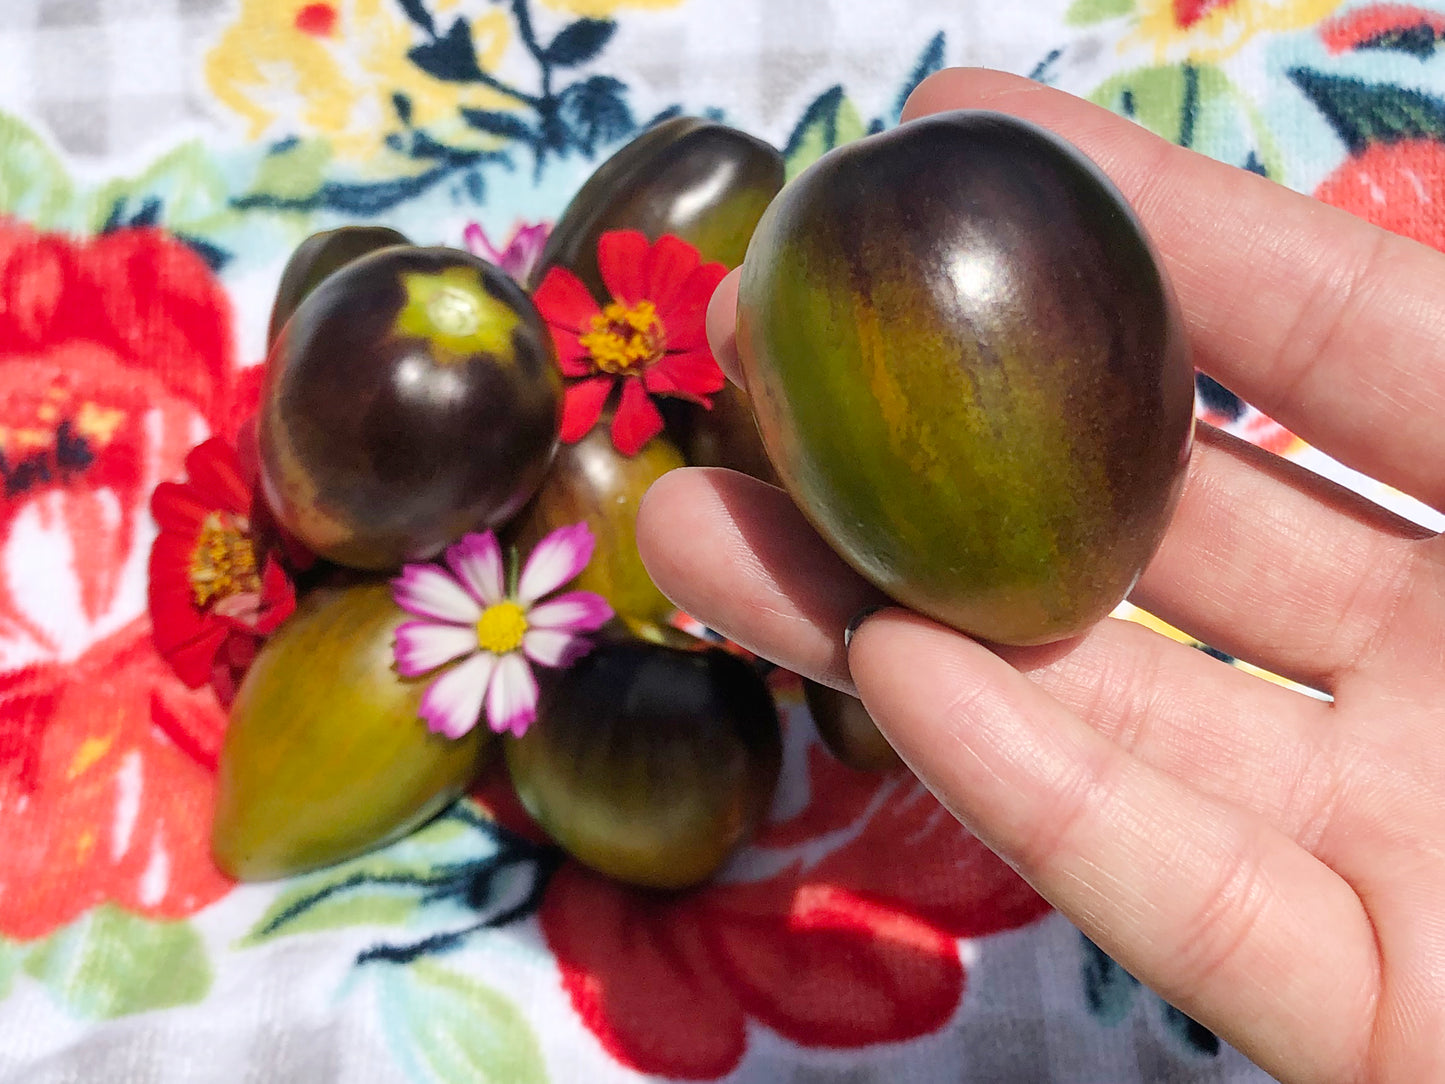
(705, 183)
(970, 372)
(848, 731)
(326, 756)
(412, 397)
(592, 482)
(650, 764)
(318, 256)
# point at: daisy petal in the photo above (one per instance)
(547, 647)
(422, 646)
(637, 419)
(452, 703)
(582, 406)
(622, 260)
(427, 591)
(576, 611)
(476, 561)
(555, 561)
(512, 698)
(564, 301)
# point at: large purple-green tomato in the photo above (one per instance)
(970, 372)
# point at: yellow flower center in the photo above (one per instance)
(224, 560)
(623, 339)
(501, 627)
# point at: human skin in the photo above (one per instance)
(1270, 863)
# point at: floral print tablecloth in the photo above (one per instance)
(158, 161)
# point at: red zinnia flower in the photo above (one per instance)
(650, 337)
(213, 597)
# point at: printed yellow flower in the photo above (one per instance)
(1210, 30)
(601, 9)
(334, 68)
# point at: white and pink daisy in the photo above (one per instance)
(469, 614)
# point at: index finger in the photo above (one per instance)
(1328, 324)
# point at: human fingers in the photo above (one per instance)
(722, 326)
(1271, 563)
(738, 555)
(1325, 322)
(1220, 912)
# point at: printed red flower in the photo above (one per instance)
(650, 337)
(1398, 185)
(109, 794)
(1382, 25)
(115, 352)
(838, 928)
(214, 593)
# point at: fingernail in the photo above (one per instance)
(858, 618)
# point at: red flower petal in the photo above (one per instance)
(213, 474)
(116, 811)
(637, 419)
(669, 263)
(582, 403)
(622, 257)
(686, 319)
(564, 302)
(693, 375)
(572, 357)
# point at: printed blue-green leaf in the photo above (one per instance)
(829, 121)
(1109, 990)
(930, 62)
(34, 184)
(111, 963)
(387, 888)
(595, 112)
(1363, 113)
(1191, 1033)
(451, 58)
(416, 11)
(507, 125)
(579, 42)
(445, 1027)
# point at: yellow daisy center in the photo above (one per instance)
(501, 627)
(224, 561)
(625, 339)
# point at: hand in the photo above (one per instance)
(1272, 864)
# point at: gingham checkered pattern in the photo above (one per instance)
(106, 76)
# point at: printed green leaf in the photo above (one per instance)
(1195, 106)
(386, 888)
(447, 1027)
(293, 171)
(1088, 12)
(112, 963)
(183, 191)
(9, 964)
(830, 121)
(34, 184)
